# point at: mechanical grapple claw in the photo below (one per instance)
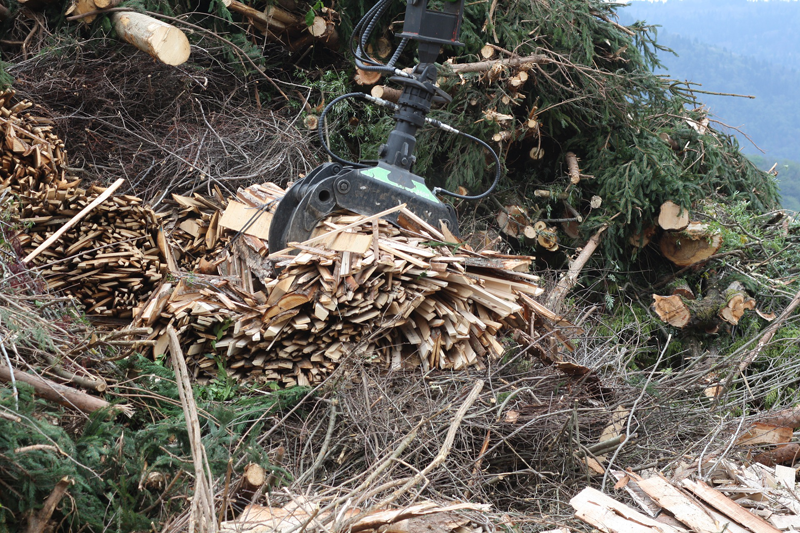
(369, 190)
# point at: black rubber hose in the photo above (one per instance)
(321, 129)
(497, 172)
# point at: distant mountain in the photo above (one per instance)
(743, 47)
(767, 30)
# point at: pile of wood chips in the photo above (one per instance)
(402, 297)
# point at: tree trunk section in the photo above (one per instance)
(693, 245)
(162, 41)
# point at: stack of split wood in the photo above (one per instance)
(398, 297)
(32, 155)
(109, 259)
(100, 248)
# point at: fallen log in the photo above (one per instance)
(162, 41)
(61, 394)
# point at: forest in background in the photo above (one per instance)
(741, 47)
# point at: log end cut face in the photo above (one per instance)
(694, 245)
(672, 310)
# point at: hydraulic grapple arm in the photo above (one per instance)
(354, 187)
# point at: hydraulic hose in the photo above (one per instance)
(433, 122)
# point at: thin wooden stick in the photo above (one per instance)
(202, 513)
(85, 211)
(568, 282)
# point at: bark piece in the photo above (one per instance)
(786, 454)
(693, 245)
(785, 417)
(162, 41)
(673, 217)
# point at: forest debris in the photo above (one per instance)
(693, 245)
(162, 41)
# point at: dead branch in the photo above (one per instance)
(38, 522)
(202, 513)
(566, 283)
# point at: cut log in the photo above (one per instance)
(162, 41)
(387, 93)
(691, 246)
(673, 217)
(512, 220)
(366, 77)
(487, 51)
(572, 168)
(324, 31)
(672, 310)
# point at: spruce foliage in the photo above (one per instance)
(110, 458)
